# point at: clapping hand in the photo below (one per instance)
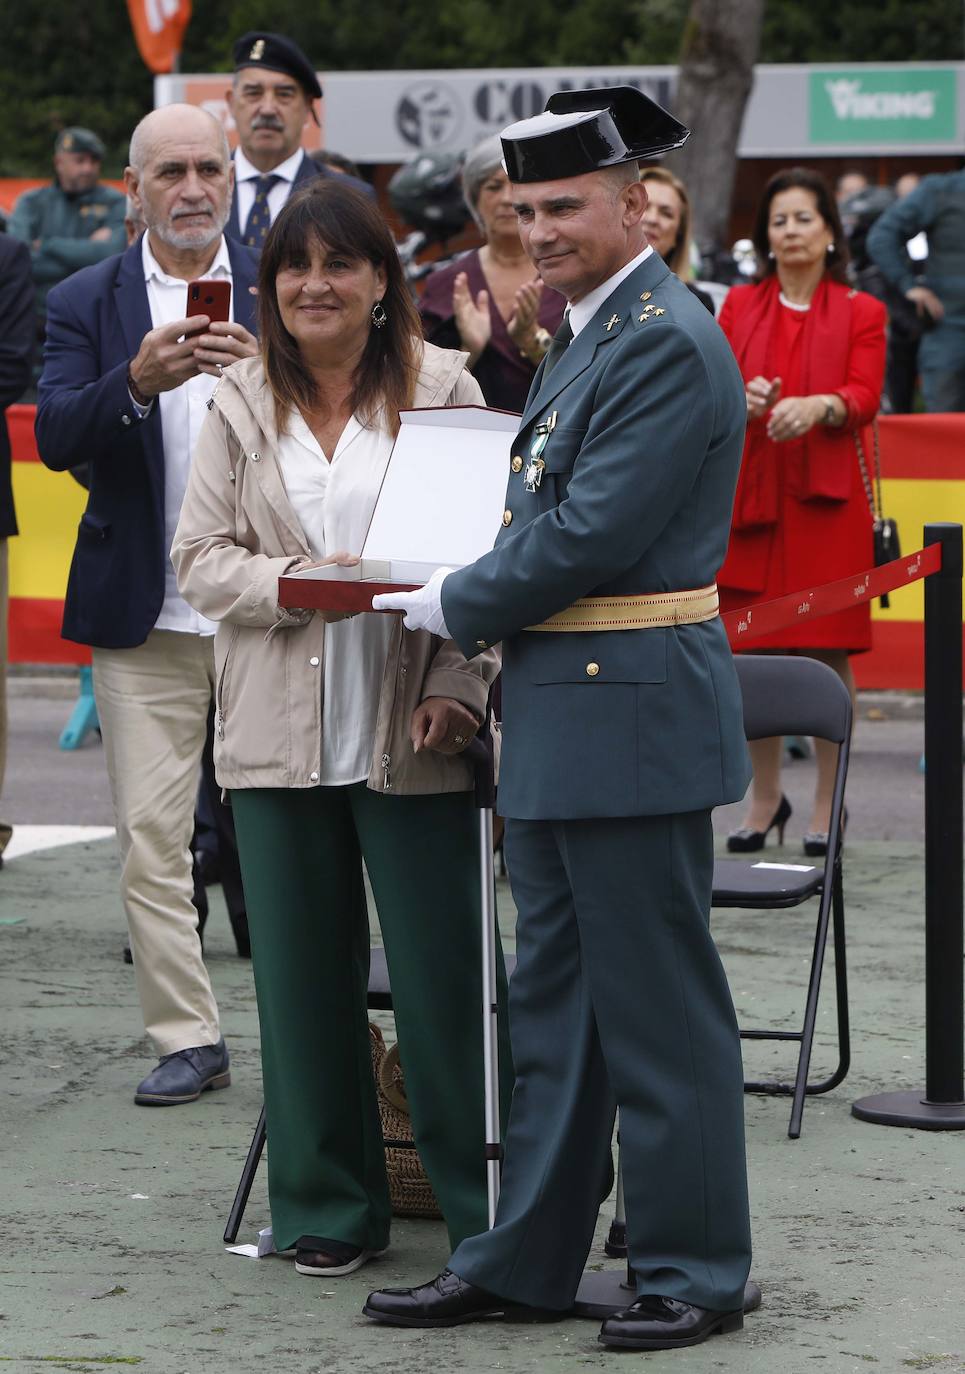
(472, 317)
(522, 322)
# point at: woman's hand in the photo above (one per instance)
(344, 560)
(471, 316)
(521, 325)
(761, 394)
(794, 416)
(442, 724)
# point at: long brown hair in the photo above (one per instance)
(345, 221)
(807, 180)
(679, 260)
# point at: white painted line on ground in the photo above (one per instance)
(31, 839)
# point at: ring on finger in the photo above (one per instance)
(459, 739)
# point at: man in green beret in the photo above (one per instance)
(74, 221)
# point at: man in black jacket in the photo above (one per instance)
(16, 347)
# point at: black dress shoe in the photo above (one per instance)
(655, 1323)
(747, 841)
(184, 1076)
(447, 1301)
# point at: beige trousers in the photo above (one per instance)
(153, 703)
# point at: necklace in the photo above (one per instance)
(792, 305)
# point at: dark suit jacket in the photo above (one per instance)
(96, 320)
(17, 329)
(308, 171)
(636, 496)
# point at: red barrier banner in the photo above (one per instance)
(832, 596)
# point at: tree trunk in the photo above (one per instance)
(720, 45)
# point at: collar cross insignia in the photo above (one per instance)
(614, 319)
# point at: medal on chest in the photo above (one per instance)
(534, 468)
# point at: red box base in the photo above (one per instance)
(320, 594)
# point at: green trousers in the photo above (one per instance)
(301, 858)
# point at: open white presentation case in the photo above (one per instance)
(440, 506)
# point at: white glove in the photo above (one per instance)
(423, 608)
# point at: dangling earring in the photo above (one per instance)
(831, 247)
(771, 253)
(379, 316)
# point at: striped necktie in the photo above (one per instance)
(259, 216)
(559, 345)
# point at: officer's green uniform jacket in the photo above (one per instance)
(63, 225)
(635, 496)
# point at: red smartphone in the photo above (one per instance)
(211, 298)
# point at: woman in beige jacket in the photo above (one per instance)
(338, 739)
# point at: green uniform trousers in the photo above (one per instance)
(301, 858)
(619, 998)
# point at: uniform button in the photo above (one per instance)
(125, 419)
(255, 457)
(517, 464)
(507, 517)
(314, 661)
(313, 777)
(592, 669)
(481, 644)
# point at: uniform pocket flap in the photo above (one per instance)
(564, 443)
(611, 656)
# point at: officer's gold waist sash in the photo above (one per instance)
(641, 612)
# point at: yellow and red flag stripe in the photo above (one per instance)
(923, 479)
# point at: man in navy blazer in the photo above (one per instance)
(622, 729)
(126, 381)
(16, 352)
(271, 100)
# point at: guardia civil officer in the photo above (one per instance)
(622, 729)
(272, 98)
(75, 221)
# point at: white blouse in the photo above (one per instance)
(334, 503)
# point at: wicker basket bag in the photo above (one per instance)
(410, 1191)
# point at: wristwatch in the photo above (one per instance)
(828, 417)
(541, 342)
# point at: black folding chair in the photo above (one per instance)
(797, 696)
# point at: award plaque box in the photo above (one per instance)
(440, 506)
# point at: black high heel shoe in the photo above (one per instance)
(747, 841)
(816, 841)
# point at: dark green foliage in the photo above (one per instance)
(65, 64)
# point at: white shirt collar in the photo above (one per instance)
(221, 267)
(582, 313)
(287, 170)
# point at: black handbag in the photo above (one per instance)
(887, 545)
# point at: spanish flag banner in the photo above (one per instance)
(159, 27)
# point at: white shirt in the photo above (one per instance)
(583, 311)
(182, 413)
(246, 177)
(334, 502)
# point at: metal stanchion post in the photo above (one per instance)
(942, 1105)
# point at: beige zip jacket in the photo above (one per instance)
(237, 534)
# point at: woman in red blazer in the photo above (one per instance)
(812, 353)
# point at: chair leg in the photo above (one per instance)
(255, 1150)
(840, 983)
(810, 1014)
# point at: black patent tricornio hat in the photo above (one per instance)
(585, 131)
